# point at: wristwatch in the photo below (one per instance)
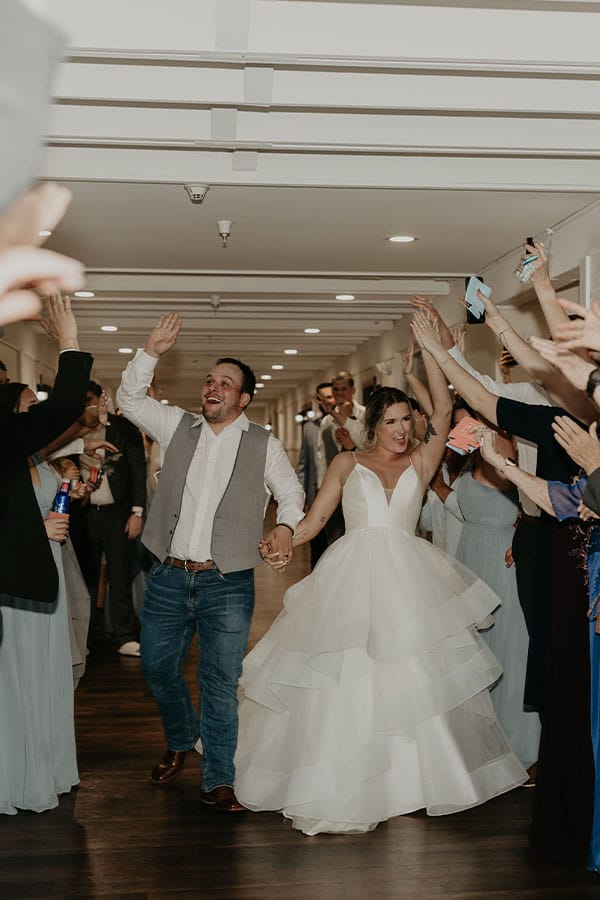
(593, 382)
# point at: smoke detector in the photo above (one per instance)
(196, 192)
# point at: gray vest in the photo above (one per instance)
(238, 522)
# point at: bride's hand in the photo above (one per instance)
(426, 334)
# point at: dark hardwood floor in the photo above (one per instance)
(119, 836)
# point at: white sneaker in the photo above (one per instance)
(130, 648)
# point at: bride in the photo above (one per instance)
(369, 695)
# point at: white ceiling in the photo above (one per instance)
(317, 142)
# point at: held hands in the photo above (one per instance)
(164, 335)
(276, 548)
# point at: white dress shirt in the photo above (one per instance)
(354, 427)
(526, 392)
(211, 466)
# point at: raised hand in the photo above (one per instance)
(582, 332)
(582, 446)
(425, 305)
(426, 333)
(458, 335)
(61, 323)
(540, 273)
(164, 335)
(408, 360)
(572, 366)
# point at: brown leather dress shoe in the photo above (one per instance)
(223, 799)
(168, 767)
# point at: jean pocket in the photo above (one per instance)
(157, 569)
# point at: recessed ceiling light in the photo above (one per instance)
(312, 331)
(277, 367)
(290, 352)
(125, 350)
(164, 400)
(84, 294)
(401, 239)
(259, 384)
(266, 377)
(344, 296)
(44, 233)
(108, 328)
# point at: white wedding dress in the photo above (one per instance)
(368, 696)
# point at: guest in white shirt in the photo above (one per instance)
(205, 524)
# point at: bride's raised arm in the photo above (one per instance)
(430, 452)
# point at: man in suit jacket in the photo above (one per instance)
(114, 518)
(307, 468)
(27, 567)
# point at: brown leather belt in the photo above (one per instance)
(189, 565)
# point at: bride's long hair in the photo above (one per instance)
(380, 400)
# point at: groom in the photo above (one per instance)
(204, 527)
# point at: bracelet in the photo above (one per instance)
(285, 525)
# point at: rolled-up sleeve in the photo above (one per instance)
(154, 418)
(281, 481)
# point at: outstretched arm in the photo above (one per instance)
(434, 443)
(561, 392)
(471, 390)
(151, 416)
(535, 488)
(540, 279)
(420, 390)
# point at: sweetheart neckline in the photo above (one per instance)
(384, 489)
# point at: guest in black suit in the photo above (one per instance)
(114, 518)
(27, 567)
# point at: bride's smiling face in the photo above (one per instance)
(395, 430)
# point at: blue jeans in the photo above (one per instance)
(219, 607)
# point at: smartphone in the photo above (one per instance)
(475, 308)
(530, 242)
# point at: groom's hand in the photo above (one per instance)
(164, 335)
(276, 548)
